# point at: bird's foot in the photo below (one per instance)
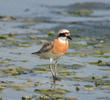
(56, 78)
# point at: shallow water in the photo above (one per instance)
(33, 21)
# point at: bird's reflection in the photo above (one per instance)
(53, 84)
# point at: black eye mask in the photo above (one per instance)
(62, 35)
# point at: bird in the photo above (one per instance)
(54, 49)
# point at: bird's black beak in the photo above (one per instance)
(69, 37)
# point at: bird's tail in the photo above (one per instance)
(35, 53)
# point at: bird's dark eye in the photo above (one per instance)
(62, 35)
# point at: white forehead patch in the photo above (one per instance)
(64, 31)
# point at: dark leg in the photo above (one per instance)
(55, 68)
(51, 68)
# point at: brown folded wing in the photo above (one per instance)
(46, 47)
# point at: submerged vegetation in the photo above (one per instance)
(14, 70)
(81, 12)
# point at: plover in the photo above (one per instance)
(54, 49)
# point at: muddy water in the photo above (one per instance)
(84, 71)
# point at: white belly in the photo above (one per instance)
(48, 55)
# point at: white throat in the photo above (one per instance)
(63, 40)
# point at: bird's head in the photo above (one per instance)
(64, 34)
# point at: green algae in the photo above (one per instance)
(64, 72)
(33, 37)
(104, 56)
(96, 62)
(4, 62)
(99, 52)
(24, 61)
(12, 42)
(73, 66)
(7, 18)
(74, 53)
(106, 82)
(63, 13)
(77, 88)
(105, 87)
(104, 64)
(77, 45)
(17, 86)
(11, 34)
(10, 39)
(31, 20)
(71, 98)
(82, 53)
(39, 69)
(1, 89)
(81, 12)
(50, 33)
(100, 63)
(36, 37)
(37, 83)
(44, 97)
(107, 69)
(41, 42)
(57, 97)
(21, 44)
(88, 86)
(88, 79)
(76, 84)
(54, 94)
(89, 89)
(97, 49)
(8, 59)
(3, 36)
(52, 91)
(1, 98)
(97, 84)
(26, 98)
(14, 70)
